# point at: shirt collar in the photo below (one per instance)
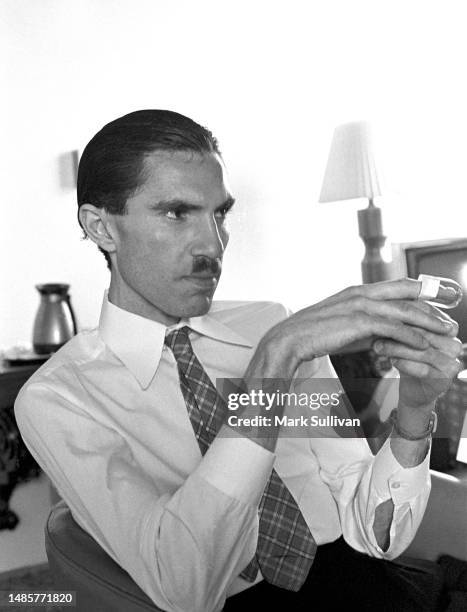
(138, 342)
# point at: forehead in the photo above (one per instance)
(183, 174)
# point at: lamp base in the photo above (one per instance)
(374, 271)
(370, 229)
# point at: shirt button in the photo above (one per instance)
(395, 485)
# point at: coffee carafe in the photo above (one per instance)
(55, 321)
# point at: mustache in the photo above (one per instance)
(202, 263)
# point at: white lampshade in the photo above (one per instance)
(350, 171)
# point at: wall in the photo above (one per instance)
(271, 79)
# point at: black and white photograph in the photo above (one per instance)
(233, 316)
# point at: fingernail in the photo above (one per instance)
(378, 346)
(447, 324)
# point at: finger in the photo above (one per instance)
(368, 325)
(419, 369)
(441, 314)
(401, 289)
(406, 288)
(437, 360)
(416, 369)
(378, 298)
(448, 345)
(334, 334)
(403, 310)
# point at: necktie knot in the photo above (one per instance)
(178, 341)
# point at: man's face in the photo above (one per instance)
(169, 245)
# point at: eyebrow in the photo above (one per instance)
(177, 203)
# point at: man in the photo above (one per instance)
(126, 421)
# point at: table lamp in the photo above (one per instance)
(351, 173)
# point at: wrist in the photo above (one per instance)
(274, 358)
(414, 418)
(414, 434)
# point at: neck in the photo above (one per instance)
(122, 296)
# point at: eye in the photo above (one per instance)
(176, 214)
(224, 211)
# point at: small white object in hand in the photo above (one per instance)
(439, 291)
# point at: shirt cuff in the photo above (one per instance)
(391, 480)
(237, 466)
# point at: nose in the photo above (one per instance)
(210, 240)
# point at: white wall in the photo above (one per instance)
(271, 79)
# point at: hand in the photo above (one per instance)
(387, 310)
(424, 374)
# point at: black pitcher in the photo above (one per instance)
(55, 321)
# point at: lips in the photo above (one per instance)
(203, 281)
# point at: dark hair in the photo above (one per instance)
(111, 167)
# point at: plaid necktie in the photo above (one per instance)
(286, 548)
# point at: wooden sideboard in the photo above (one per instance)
(16, 463)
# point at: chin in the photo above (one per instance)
(196, 306)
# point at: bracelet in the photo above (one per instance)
(403, 433)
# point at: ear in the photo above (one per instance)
(96, 224)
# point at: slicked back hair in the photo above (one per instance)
(111, 167)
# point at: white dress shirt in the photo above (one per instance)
(106, 419)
